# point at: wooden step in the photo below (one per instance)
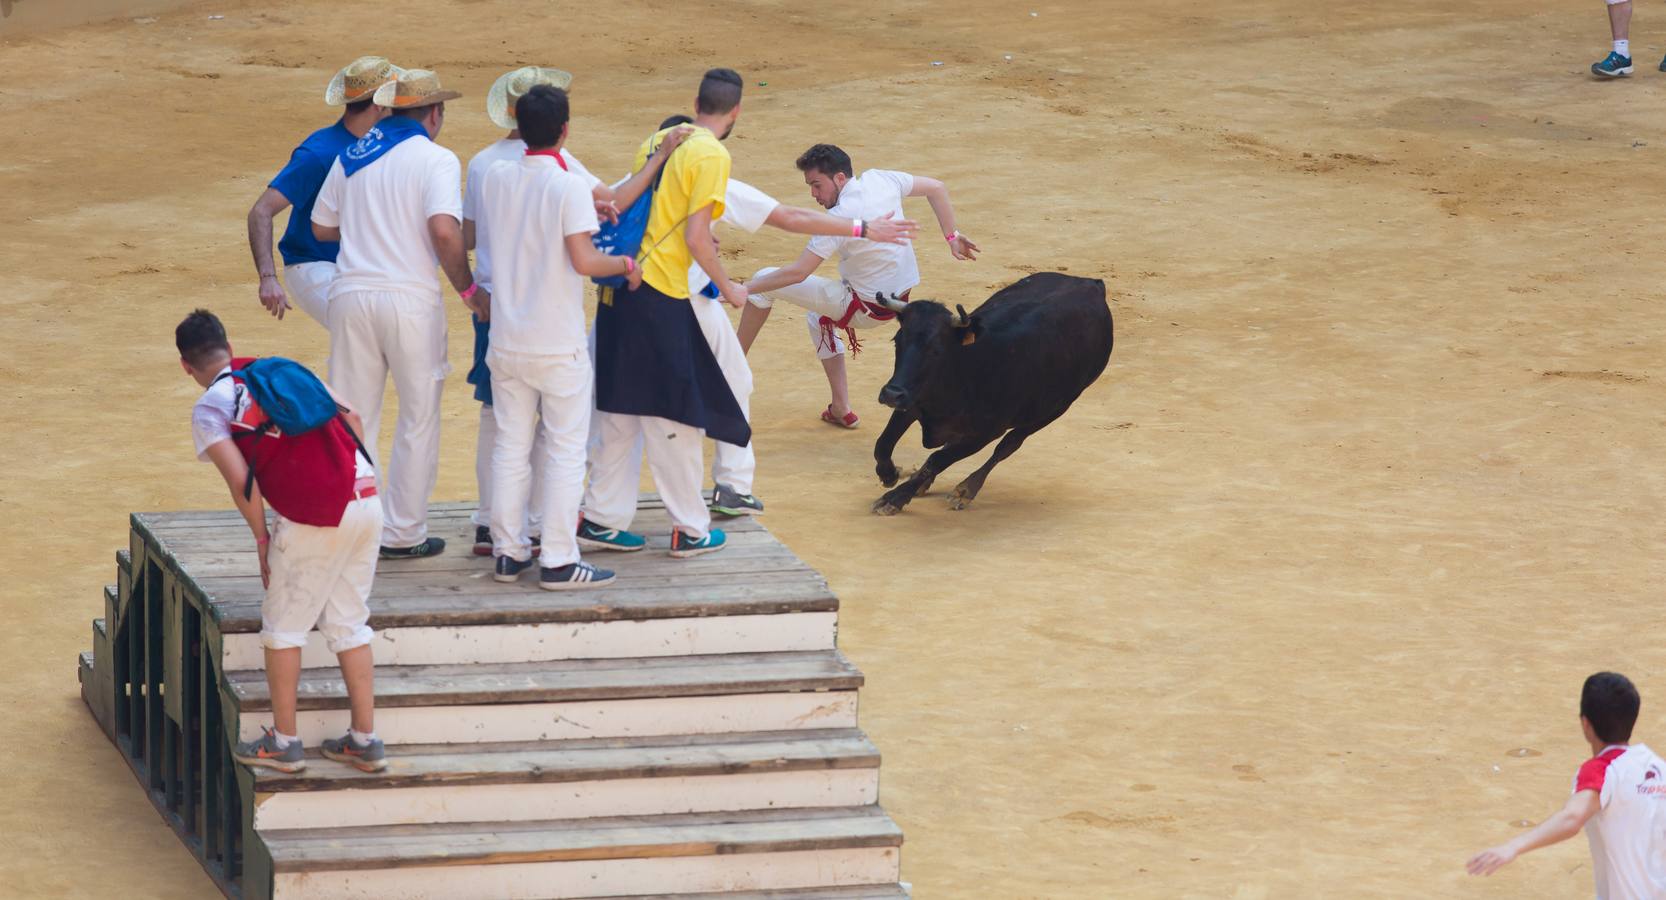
(449, 783)
(563, 699)
(696, 635)
(608, 857)
(856, 892)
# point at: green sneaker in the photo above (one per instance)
(1612, 66)
(594, 537)
(683, 546)
(726, 501)
(371, 757)
(266, 753)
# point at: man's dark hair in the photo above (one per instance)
(539, 114)
(719, 92)
(674, 121)
(826, 159)
(359, 106)
(415, 112)
(1610, 702)
(200, 338)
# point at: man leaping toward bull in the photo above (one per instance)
(866, 268)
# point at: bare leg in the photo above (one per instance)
(837, 384)
(283, 679)
(358, 670)
(1619, 21)
(752, 320)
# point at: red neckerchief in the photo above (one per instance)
(555, 153)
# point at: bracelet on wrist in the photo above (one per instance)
(952, 236)
(630, 264)
(473, 287)
(263, 541)
(858, 228)
(268, 274)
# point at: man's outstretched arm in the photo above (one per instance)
(798, 220)
(1559, 827)
(786, 276)
(937, 194)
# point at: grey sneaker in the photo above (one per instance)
(727, 502)
(265, 753)
(371, 757)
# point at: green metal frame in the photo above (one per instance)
(155, 686)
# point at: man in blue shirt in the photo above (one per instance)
(310, 264)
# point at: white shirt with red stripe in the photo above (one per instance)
(870, 267)
(1628, 833)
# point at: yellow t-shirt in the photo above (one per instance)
(697, 175)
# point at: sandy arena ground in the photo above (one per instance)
(1373, 480)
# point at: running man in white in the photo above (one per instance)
(1619, 798)
(866, 268)
(501, 101)
(391, 199)
(309, 265)
(543, 216)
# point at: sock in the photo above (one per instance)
(1623, 48)
(283, 740)
(361, 738)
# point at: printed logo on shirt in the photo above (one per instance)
(1658, 786)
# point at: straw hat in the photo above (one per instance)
(512, 86)
(359, 80)
(413, 88)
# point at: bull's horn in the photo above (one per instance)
(962, 319)
(891, 303)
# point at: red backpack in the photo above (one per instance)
(308, 478)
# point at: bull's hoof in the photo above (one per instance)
(887, 473)
(884, 507)
(922, 482)
(961, 497)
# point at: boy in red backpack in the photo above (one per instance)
(319, 557)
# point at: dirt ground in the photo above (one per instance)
(1372, 482)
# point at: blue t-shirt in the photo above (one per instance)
(299, 183)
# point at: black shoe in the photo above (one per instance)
(431, 547)
(482, 541)
(509, 569)
(726, 501)
(573, 575)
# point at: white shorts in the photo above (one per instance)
(308, 285)
(321, 577)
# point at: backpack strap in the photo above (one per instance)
(341, 416)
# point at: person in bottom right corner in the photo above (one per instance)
(1619, 798)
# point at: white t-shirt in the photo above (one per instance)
(1628, 834)
(223, 403)
(866, 266)
(538, 299)
(744, 206)
(383, 213)
(510, 149)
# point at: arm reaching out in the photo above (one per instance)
(235, 470)
(261, 214)
(589, 261)
(937, 194)
(1559, 827)
(625, 194)
(785, 276)
(884, 230)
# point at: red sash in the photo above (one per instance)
(857, 305)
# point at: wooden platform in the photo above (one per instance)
(689, 731)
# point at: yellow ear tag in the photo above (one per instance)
(970, 337)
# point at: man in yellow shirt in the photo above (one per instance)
(655, 374)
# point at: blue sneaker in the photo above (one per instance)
(683, 546)
(573, 575)
(371, 757)
(1613, 66)
(594, 537)
(509, 570)
(1663, 65)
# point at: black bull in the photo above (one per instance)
(1010, 368)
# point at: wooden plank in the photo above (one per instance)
(590, 760)
(699, 834)
(488, 644)
(708, 876)
(566, 680)
(855, 892)
(173, 651)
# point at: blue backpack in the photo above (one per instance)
(625, 237)
(294, 400)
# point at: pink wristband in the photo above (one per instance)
(471, 291)
(630, 264)
(261, 542)
(951, 238)
(856, 228)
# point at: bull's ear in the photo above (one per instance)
(971, 330)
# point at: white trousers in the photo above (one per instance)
(533, 394)
(308, 285)
(484, 443)
(322, 577)
(374, 334)
(822, 297)
(674, 457)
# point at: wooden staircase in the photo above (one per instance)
(689, 731)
